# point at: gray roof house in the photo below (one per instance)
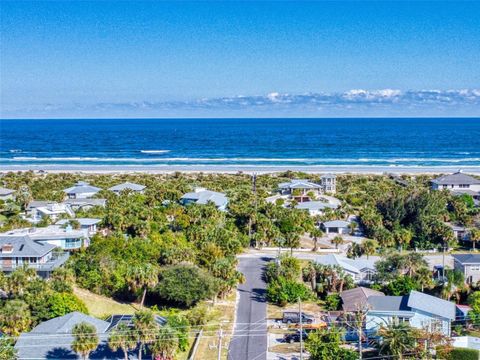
(315, 207)
(89, 225)
(361, 270)
(117, 189)
(469, 264)
(6, 194)
(52, 339)
(336, 226)
(202, 196)
(20, 250)
(422, 311)
(356, 299)
(81, 190)
(458, 183)
(84, 204)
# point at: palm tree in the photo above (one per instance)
(315, 234)
(141, 277)
(145, 328)
(85, 339)
(398, 339)
(403, 237)
(369, 247)
(165, 344)
(412, 262)
(352, 226)
(474, 236)
(424, 277)
(15, 317)
(122, 337)
(337, 240)
(453, 284)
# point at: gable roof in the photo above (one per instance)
(299, 184)
(24, 246)
(351, 265)
(456, 179)
(388, 303)
(82, 187)
(336, 223)
(315, 205)
(432, 305)
(127, 186)
(357, 298)
(64, 324)
(5, 191)
(467, 258)
(204, 196)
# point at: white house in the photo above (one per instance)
(38, 210)
(89, 225)
(336, 226)
(136, 188)
(65, 238)
(329, 183)
(81, 190)
(361, 270)
(203, 196)
(420, 310)
(6, 194)
(315, 207)
(458, 183)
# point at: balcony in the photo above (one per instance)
(54, 262)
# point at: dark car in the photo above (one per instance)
(295, 337)
(293, 317)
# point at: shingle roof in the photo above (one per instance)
(205, 196)
(388, 303)
(336, 223)
(456, 179)
(355, 299)
(82, 187)
(299, 184)
(64, 324)
(432, 305)
(315, 205)
(24, 246)
(5, 191)
(467, 258)
(127, 185)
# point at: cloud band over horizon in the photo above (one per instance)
(352, 103)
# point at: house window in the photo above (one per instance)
(464, 185)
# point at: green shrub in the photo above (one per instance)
(282, 291)
(63, 303)
(332, 302)
(463, 354)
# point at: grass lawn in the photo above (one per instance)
(102, 306)
(310, 307)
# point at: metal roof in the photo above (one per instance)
(457, 178)
(388, 303)
(432, 305)
(127, 186)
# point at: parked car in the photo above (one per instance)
(293, 317)
(295, 337)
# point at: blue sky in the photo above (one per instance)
(87, 59)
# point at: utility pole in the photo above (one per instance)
(220, 338)
(301, 327)
(443, 261)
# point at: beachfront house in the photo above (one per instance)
(458, 183)
(203, 196)
(52, 339)
(361, 270)
(7, 194)
(128, 186)
(336, 227)
(81, 190)
(20, 250)
(315, 208)
(329, 183)
(469, 265)
(64, 238)
(420, 310)
(38, 210)
(88, 225)
(299, 189)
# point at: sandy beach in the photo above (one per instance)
(259, 169)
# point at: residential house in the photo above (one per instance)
(315, 208)
(38, 210)
(203, 196)
(136, 188)
(20, 250)
(459, 183)
(329, 183)
(64, 238)
(84, 204)
(299, 189)
(6, 194)
(360, 269)
(52, 339)
(356, 299)
(420, 310)
(88, 225)
(469, 265)
(81, 190)
(336, 226)
(460, 232)
(461, 312)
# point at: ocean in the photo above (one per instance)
(241, 143)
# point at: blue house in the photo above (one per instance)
(420, 310)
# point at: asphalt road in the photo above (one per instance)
(250, 335)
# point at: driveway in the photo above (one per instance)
(249, 341)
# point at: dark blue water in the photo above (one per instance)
(265, 142)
